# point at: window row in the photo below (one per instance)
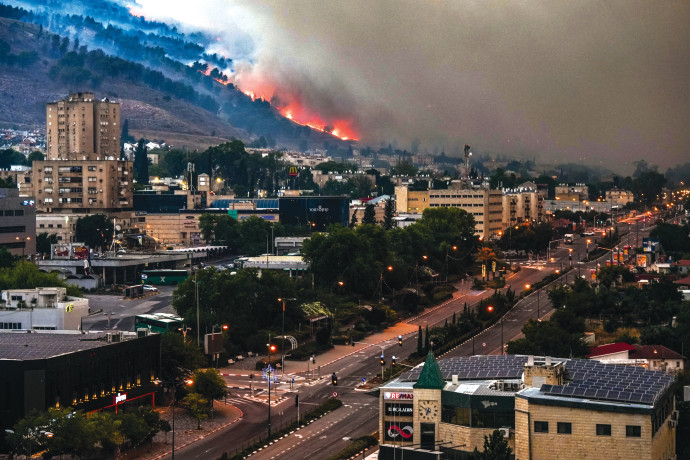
(602, 429)
(12, 212)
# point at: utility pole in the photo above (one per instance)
(198, 327)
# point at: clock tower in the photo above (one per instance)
(427, 403)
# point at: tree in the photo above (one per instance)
(198, 406)
(178, 357)
(174, 162)
(209, 384)
(96, 231)
(388, 214)
(354, 219)
(125, 136)
(404, 168)
(369, 214)
(141, 163)
(420, 347)
(7, 259)
(35, 156)
(648, 185)
(495, 448)
(43, 242)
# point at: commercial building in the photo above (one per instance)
(17, 223)
(118, 269)
(318, 212)
(544, 407)
(618, 197)
(46, 308)
(486, 206)
(85, 371)
(577, 192)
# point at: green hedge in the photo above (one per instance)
(303, 352)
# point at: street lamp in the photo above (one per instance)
(588, 241)
(173, 385)
(390, 269)
(282, 339)
(271, 348)
(28, 238)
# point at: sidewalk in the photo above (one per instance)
(186, 431)
(340, 351)
(248, 365)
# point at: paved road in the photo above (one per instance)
(118, 312)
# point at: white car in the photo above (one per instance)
(149, 288)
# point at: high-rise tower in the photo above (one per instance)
(83, 128)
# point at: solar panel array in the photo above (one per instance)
(476, 368)
(585, 378)
(612, 382)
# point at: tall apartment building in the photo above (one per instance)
(82, 172)
(82, 128)
(522, 206)
(82, 186)
(485, 205)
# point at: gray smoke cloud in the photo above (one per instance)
(602, 83)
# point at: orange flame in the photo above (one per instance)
(297, 113)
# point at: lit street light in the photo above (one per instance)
(173, 385)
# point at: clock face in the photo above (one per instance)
(427, 410)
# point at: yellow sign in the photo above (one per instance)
(483, 271)
(493, 266)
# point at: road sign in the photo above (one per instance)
(364, 379)
(293, 380)
(334, 394)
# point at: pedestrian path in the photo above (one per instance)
(186, 431)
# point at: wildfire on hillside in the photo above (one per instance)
(296, 112)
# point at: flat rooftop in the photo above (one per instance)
(22, 346)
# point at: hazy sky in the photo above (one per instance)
(603, 82)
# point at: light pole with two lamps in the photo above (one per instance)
(173, 385)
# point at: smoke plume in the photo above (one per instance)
(605, 83)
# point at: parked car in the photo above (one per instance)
(149, 288)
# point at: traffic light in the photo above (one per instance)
(393, 360)
(490, 308)
(383, 360)
(296, 400)
(334, 379)
(400, 340)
